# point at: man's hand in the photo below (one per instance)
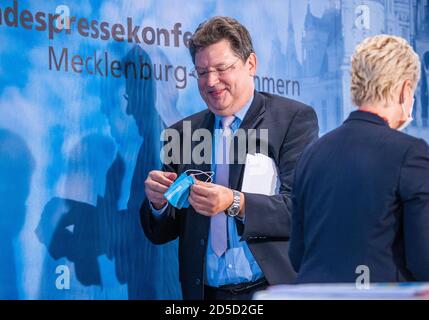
(209, 199)
(156, 185)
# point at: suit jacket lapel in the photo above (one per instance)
(252, 119)
(207, 122)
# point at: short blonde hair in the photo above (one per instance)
(380, 65)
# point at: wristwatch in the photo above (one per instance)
(234, 208)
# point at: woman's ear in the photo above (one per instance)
(406, 91)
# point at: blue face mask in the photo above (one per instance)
(178, 193)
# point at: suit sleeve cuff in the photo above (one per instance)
(241, 219)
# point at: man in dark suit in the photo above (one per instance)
(361, 192)
(231, 243)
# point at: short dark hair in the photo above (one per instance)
(222, 28)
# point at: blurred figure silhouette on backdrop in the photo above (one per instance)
(150, 271)
(93, 219)
(16, 168)
(71, 228)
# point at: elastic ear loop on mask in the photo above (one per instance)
(208, 174)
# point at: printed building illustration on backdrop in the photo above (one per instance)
(328, 43)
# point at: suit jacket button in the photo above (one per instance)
(202, 242)
(197, 281)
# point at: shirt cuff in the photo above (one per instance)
(156, 212)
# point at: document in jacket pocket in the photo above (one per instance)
(260, 175)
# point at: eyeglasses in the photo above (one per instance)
(200, 73)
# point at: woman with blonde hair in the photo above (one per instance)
(361, 193)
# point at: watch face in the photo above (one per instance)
(232, 212)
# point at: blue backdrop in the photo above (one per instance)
(83, 99)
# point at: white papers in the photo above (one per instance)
(260, 175)
(343, 291)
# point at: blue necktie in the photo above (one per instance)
(218, 225)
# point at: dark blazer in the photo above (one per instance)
(361, 197)
(291, 127)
